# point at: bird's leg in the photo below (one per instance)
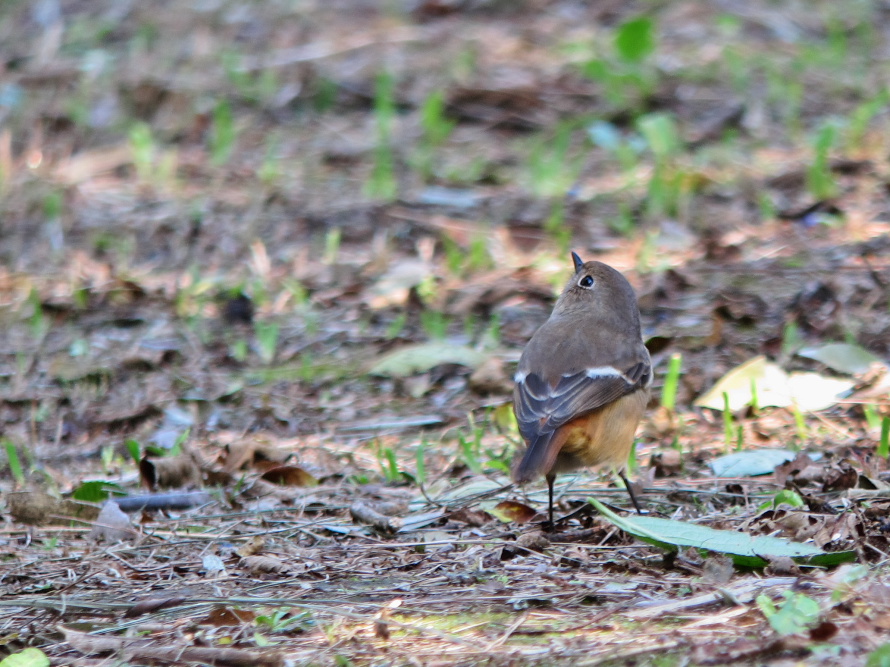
(630, 492)
(550, 479)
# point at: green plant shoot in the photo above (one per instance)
(728, 426)
(222, 135)
(267, 340)
(671, 381)
(798, 613)
(884, 446)
(15, 464)
(420, 463)
(382, 183)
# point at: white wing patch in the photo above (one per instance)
(541, 408)
(604, 372)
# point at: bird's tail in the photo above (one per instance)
(540, 456)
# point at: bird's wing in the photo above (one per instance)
(541, 407)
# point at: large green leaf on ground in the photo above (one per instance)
(750, 462)
(419, 358)
(745, 550)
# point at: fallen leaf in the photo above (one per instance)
(510, 511)
(774, 387)
(112, 525)
(393, 287)
(751, 462)
(264, 565)
(289, 476)
(745, 550)
(30, 657)
(151, 605)
(227, 617)
(841, 357)
(418, 358)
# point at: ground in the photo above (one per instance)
(273, 263)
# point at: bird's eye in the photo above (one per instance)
(586, 282)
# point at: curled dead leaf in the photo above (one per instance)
(228, 617)
(289, 475)
(510, 511)
(151, 605)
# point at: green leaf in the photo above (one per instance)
(420, 458)
(418, 358)
(745, 550)
(596, 69)
(222, 134)
(660, 132)
(798, 613)
(884, 445)
(635, 40)
(97, 491)
(788, 497)
(15, 465)
(671, 380)
(750, 463)
(30, 657)
(880, 657)
(133, 449)
(841, 357)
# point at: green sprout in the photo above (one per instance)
(729, 431)
(222, 134)
(382, 184)
(671, 381)
(267, 340)
(15, 464)
(884, 446)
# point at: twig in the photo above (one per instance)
(363, 512)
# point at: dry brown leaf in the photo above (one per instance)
(264, 565)
(289, 475)
(513, 511)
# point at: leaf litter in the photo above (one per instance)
(215, 291)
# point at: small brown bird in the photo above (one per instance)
(582, 383)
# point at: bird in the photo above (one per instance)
(582, 382)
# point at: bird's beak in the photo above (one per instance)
(577, 260)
